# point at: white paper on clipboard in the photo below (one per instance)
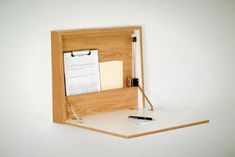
(81, 72)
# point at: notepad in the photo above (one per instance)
(81, 72)
(111, 75)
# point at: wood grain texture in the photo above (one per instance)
(75, 33)
(106, 101)
(111, 47)
(58, 89)
(113, 44)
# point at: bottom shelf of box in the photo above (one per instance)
(118, 124)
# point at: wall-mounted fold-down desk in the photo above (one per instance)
(108, 111)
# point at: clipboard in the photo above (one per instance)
(81, 72)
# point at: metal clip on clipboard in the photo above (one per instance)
(74, 55)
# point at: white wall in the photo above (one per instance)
(189, 62)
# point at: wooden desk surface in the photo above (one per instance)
(118, 124)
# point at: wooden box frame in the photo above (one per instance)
(113, 44)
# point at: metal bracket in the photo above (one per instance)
(73, 110)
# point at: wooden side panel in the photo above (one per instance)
(110, 47)
(106, 101)
(58, 89)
